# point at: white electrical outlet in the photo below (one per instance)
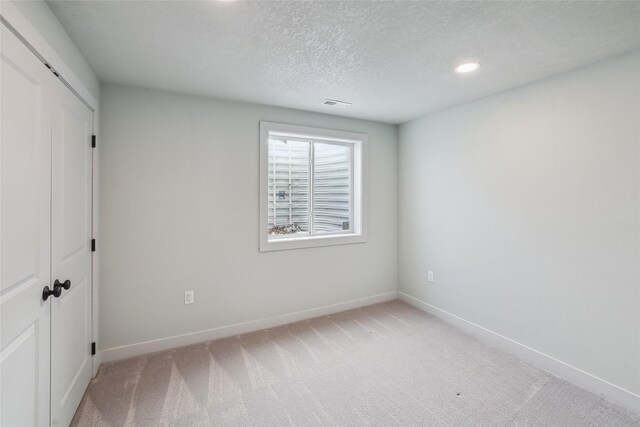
(188, 297)
(430, 276)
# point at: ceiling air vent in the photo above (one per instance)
(336, 103)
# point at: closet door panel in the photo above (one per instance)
(70, 254)
(25, 183)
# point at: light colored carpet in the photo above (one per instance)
(387, 364)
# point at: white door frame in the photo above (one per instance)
(24, 30)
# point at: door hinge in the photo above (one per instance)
(93, 141)
(93, 348)
(93, 245)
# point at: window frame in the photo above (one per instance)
(358, 143)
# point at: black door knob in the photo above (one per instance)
(65, 285)
(56, 292)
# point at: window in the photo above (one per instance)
(312, 187)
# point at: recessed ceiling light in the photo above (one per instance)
(467, 67)
(336, 103)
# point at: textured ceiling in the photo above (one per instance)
(392, 60)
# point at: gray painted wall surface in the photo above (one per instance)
(179, 179)
(526, 205)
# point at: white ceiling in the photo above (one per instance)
(392, 60)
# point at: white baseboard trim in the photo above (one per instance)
(556, 367)
(126, 351)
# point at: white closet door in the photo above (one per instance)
(25, 144)
(70, 254)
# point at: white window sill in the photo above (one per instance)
(281, 244)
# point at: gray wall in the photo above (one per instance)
(179, 179)
(526, 205)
